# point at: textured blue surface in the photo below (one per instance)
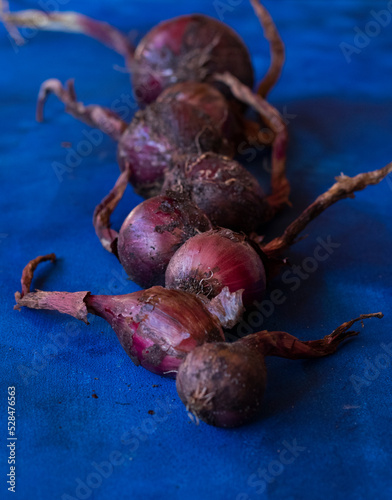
(340, 117)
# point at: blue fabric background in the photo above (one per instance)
(340, 118)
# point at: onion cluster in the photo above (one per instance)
(177, 64)
(192, 242)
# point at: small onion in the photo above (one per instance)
(152, 233)
(224, 114)
(188, 48)
(230, 196)
(208, 262)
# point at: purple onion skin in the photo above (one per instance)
(157, 327)
(225, 116)
(188, 48)
(152, 233)
(208, 262)
(230, 196)
(159, 137)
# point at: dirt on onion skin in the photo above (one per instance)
(230, 196)
(162, 135)
(153, 232)
(220, 385)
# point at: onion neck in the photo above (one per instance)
(72, 303)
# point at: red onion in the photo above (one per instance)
(209, 262)
(156, 327)
(230, 196)
(186, 48)
(224, 114)
(152, 233)
(158, 137)
(223, 384)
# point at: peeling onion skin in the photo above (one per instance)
(208, 262)
(188, 48)
(230, 196)
(151, 234)
(159, 137)
(156, 327)
(223, 384)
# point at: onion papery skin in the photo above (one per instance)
(208, 262)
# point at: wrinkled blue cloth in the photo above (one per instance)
(84, 422)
